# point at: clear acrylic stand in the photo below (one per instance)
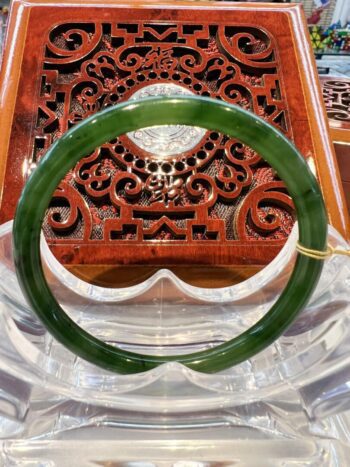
(286, 406)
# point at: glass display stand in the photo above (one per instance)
(287, 406)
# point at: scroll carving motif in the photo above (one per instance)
(336, 96)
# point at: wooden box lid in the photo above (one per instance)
(65, 61)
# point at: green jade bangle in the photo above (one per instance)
(129, 116)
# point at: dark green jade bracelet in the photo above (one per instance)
(129, 116)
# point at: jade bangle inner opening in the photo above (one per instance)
(128, 117)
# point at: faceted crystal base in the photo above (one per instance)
(63, 433)
(287, 405)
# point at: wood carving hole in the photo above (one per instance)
(140, 164)
(45, 88)
(160, 28)
(209, 146)
(149, 37)
(59, 213)
(281, 121)
(200, 232)
(128, 233)
(166, 167)
(214, 75)
(276, 92)
(270, 218)
(179, 166)
(57, 35)
(130, 28)
(43, 117)
(128, 157)
(39, 146)
(262, 102)
(165, 233)
(190, 29)
(153, 167)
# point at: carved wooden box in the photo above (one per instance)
(162, 196)
(336, 95)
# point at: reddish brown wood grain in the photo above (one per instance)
(218, 204)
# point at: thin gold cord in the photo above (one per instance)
(316, 254)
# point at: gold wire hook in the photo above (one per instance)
(317, 254)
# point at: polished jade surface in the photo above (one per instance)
(129, 116)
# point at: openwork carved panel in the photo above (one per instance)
(174, 184)
(166, 195)
(336, 95)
